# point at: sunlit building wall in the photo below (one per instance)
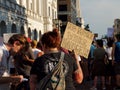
(29, 17)
(79, 19)
(66, 12)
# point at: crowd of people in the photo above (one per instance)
(105, 59)
(27, 61)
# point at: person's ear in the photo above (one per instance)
(17, 43)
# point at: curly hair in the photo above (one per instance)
(99, 42)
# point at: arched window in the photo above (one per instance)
(40, 34)
(35, 34)
(22, 31)
(13, 29)
(3, 28)
(29, 33)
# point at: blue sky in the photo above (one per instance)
(100, 14)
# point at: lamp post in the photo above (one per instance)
(57, 24)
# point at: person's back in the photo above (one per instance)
(117, 51)
(92, 48)
(35, 50)
(99, 68)
(99, 54)
(116, 60)
(42, 65)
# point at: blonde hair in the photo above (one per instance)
(33, 43)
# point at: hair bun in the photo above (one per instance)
(55, 30)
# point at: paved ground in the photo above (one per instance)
(86, 85)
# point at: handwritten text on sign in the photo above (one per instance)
(78, 39)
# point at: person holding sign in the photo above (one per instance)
(42, 66)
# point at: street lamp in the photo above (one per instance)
(57, 24)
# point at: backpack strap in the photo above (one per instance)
(49, 77)
(62, 56)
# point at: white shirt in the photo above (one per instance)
(4, 54)
(35, 51)
(109, 52)
(79, 58)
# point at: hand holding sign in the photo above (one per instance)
(77, 39)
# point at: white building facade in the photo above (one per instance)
(29, 17)
(80, 20)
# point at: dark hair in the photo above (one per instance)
(110, 42)
(99, 42)
(17, 37)
(117, 36)
(39, 45)
(51, 39)
(33, 43)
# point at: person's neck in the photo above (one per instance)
(51, 50)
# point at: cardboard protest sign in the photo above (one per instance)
(77, 39)
(110, 32)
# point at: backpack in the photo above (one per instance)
(55, 80)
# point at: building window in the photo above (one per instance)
(29, 33)
(20, 2)
(27, 5)
(63, 17)
(22, 31)
(3, 28)
(40, 34)
(3, 2)
(37, 6)
(13, 28)
(53, 13)
(62, 7)
(49, 11)
(31, 7)
(35, 34)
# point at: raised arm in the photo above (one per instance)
(78, 74)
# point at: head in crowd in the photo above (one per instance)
(33, 43)
(17, 41)
(39, 46)
(110, 43)
(117, 36)
(99, 43)
(51, 39)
